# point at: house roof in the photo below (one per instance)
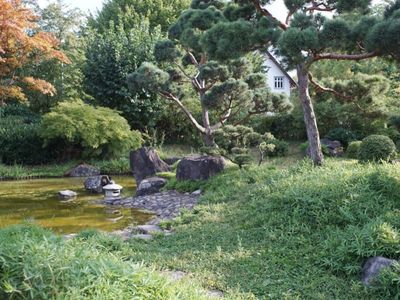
(273, 59)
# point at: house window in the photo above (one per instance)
(278, 82)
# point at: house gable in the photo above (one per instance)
(278, 80)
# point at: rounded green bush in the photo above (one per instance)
(352, 149)
(377, 148)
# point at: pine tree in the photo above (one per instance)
(226, 90)
(306, 36)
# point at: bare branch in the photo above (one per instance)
(267, 14)
(184, 72)
(222, 120)
(339, 56)
(317, 7)
(321, 88)
(192, 119)
(192, 58)
(290, 14)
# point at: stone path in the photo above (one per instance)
(166, 205)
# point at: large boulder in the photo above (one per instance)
(150, 186)
(199, 167)
(83, 170)
(334, 148)
(145, 162)
(373, 267)
(95, 184)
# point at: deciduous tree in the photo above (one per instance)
(21, 43)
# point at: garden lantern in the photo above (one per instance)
(112, 191)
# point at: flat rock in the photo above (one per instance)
(199, 167)
(142, 236)
(83, 170)
(148, 229)
(373, 267)
(215, 294)
(67, 194)
(196, 193)
(150, 186)
(174, 275)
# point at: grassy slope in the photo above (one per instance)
(300, 233)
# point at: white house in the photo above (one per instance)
(278, 80)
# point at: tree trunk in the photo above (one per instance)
(208, 137)
(309, 116)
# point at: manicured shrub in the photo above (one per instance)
(353, 149)
(342, 135)
(377, 148)
(281, 148)
(230, 137)
(94, 131)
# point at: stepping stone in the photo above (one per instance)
(69, 236)
(148, 229)
(196, 193)
(142, 236)
(174, 275)
(215, 294)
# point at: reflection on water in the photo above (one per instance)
(38, 200)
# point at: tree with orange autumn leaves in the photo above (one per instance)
(22, 42)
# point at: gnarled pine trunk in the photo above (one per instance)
(208, 137)
(309, 116)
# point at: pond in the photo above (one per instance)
(38, 200)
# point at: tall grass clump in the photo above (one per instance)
(35, 264)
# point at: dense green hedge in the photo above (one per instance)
(20, 142)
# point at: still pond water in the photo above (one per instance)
(38, 200)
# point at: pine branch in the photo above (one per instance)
(267, 14)
(192, 119)
(321, 88)
(339, 56)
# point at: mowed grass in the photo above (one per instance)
(300, 233)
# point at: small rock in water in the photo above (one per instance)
(67, 194)
(373, 267)
(95, 184)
